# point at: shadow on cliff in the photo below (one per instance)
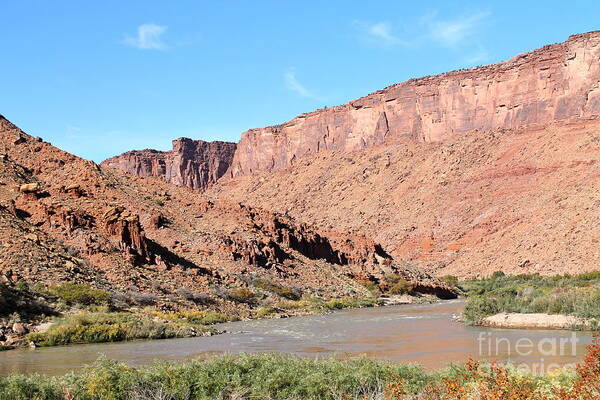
(171, 258)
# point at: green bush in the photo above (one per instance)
(396, 284)
(264, 312)
(80, 293)
(372, 287)
(107, 327)
(450, 280)
(576, 295)
(263, 376)
(195, 317)
(280, 290)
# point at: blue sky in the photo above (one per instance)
(99, 78)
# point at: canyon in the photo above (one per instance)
(66, 219)
(468, 172)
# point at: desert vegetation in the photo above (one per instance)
(80, 313)
(577, 295)
(101, 327)
(269, 376)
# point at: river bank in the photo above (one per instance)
(278, 377)
(533, 301)
(98, 325)
(426, 334)
(537, 321)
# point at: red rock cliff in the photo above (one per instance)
(192, 163)
(555, 83)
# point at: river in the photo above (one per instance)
(425, 333)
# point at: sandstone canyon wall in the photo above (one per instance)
(192, 163)
(555, 83)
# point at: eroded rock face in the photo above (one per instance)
(192, 163)
(126, 229)
(555, 83)
(279, 232)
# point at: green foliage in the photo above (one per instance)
(263, 376)
(22, 286)
(107, 327)
(265, 312)
(450, 280)
(195, 317)
(498, 275)
(396, 284)
(80, 293)
(372, 287)
(577, 295)
(278, 377)
(280, 290)
(19, 387)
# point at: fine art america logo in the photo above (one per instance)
(536, 356)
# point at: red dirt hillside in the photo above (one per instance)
(65, 218)
(468, 172)
(518, 201)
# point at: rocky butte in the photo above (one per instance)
(192, 163)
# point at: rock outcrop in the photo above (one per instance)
(127, 231)
(107, 228)
(555, 83)
(192, 163)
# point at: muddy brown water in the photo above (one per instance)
(427, 334)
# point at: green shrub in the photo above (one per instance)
(280, 290)
(450, 280)
(498, 275)
(107, 327)
(195, 317)
(396, 284)
(22, 286)
(80, 293)
(265, 376)
(264, 312)
(372, 287)
(576, 295)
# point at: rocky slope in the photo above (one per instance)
(67, 219)
(468, 172)
(192, 163)
(556, 83)
(520, 201)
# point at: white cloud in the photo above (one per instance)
(383, 31)
(292, 83)
(149, 36)
(451, 33)
(454, 32)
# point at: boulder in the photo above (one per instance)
(30, 188)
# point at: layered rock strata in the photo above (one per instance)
(555, 83)
(192, 163)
